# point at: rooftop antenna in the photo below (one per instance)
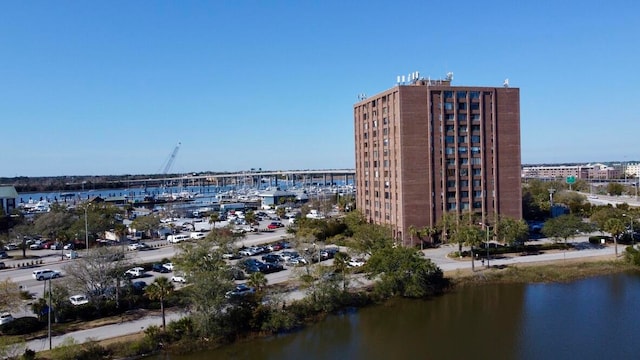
(450, 76)
(506, 83)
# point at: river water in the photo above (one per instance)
(595, 318)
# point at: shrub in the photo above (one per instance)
(22, 325)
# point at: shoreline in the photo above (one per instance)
(537, 272)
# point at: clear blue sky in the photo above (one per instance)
(110, 87)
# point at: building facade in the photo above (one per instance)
(427, 148)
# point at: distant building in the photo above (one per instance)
(8, 196)
(561, 172)
(427, 148)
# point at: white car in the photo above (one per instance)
(138, 246)
(178, 278)
(135, 272)
(46, 274)
(5, 318)
(78, 300)
(169, 266)
(355, 262)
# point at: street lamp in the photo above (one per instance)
(86, 229)
(633, 239)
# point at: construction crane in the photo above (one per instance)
(170, 160)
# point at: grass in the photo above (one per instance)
(541, 272)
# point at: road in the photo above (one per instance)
(438, 256)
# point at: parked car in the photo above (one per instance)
(275, 225)
(272, 258)
(157, 267)
(271, 267)
(5, 318)
(240, 290)
(138, 285)
(355, 262)
(2, 265)
(36, 246)
(9, 247)
(79, 300)
(168, 266)
(135, 272)
(179, 278)
(46, 274)
(138, 246)
(4, 255)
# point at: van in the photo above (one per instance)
(174, 239)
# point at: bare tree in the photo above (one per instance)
(96, 273)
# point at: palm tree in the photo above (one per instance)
(428, 231)
(616, 227)
(214, 218)
(258, 281)
(340, 261)
(413, 231)
(159, 290)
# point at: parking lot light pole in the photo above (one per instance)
(86, 229)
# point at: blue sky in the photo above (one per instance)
(110, 87)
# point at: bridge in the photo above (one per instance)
(250, 178)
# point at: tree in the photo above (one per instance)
(159, 290)
(429, 232)
(213, 219)
(563, 227)
(470, 235)
(401, 271)
(147, 224)
(9, 294)
(96, 273)
(206, 271)
(258, 281)
(616, 228)
(413, 232)
(511, 231)
(340, 266)
(250, 217)
(281, 212)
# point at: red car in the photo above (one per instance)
(275, 225)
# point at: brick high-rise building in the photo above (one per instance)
(426, 147)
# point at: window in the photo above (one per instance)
(449, 151)
(474, 94)
(451, 183)
(462, 129)
(476, 161)
(464, 206)
(462, 117)
(451, 161)
(448, 94)
(450, 117)
(449, 139)
(450, 128)
(462, 149)
(461, 94)
(477, 193)
(385, 142)
(475, 138)
(462, 106)
(475, 127)
(386, 163)
(475, 117)
(464, 161)
(474, 106)
(448, 106)
(477, 204)
(475, 149)
(451, 195)
(477, 183)
(464, 194)
(386, 195)
(476, 172)
(464, 183)
(462, 139)
(451, 206)
(375, 123)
